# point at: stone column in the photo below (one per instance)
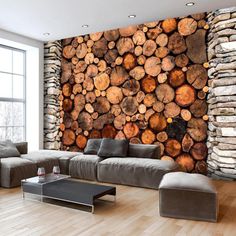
(52, 90)
(222, 93)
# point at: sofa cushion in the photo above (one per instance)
(8, 149)
(141, 172)
(144, 151)
(22, 147)
(113, 148)
(14, 169)
(84, 166)
(92, 146)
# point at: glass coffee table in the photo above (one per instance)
(64, 188)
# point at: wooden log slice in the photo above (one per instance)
(149, 99)
(129, 61)
(90, 97)
(100, 48)
(114, 95)
(196, 44)
(120, 135)
(148, 114)
(109, 132)
(68, 52)
(85, 121)
(186, 162)
(169, 25)
(111, 44)
(142, 108)
(74, 114)
(95, 134)
(199, 151)
(88, 84)
(66, 41)
(162, 136)
(198, 16)
(197, 129)
(153, 33)
(125, 45)
(135, 140)
(176, 43)
(81, 141)
(162, 40)
(148, 84)
(186, 114)
(151, 24)
(197, 76)
(115, 110)
(131, 130)
(67, 105)
(201, 94)
(80, 67)
(79, 102)
(129, 106)
(168, 63)
(118, 76)
(199, 108)
(96, 36)
(176, 77)
(162, 78)
(102, 81)
(111, 56)
(95, 115)
(102, 120)
(201, 24)
(89, 58)
(68, 137)
(138, 50)
(162, 52)
(165, 93)
(187, 143)
(67, 120)
(201, 167)
(101, 105)
(158, 106)
(185, 95)
(167, 158)
(111, 35)
(152, 66)
(171, 110)
(172, 147)
(176, 129)
(140, 96)
(149, 47)
(89, 108)
(139, 37)
(141, 60)
(148, 137)
(66, 90)
(157, 122)
(128, 31)
(181, 60)
(120, 121)
(130, 87)
(81, 50)
(102, 65)
(187, 26)
(137, 73)
(79, 78)
(92, 71)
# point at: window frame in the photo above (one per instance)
(20, 100)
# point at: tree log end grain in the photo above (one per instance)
(186, 162)
(185, 95)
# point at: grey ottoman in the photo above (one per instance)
(188, 196)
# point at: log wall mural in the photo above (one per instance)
(146, 83)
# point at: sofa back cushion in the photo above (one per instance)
(144, 151)
(22, 147)
(8, 149)
(113, 148)
(92, 146)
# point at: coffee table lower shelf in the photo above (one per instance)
(69, 190)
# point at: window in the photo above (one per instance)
(12, 94)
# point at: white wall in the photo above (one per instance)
(34, 85)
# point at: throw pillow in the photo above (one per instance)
(22, 147)
(92, 146)
(144, 151)
(8, 149)
(113, 148)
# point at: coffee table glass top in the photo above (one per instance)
(48, 178)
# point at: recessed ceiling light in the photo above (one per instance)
(190, 4)
(46, 34)
(132, 16)
(85, 26)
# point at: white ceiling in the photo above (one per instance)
(64, 18)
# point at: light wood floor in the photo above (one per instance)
(135, 213)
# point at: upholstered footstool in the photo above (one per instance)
(188, 196)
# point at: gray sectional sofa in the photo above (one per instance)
(104, 160)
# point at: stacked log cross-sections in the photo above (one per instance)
(222, 94)
(146, 83)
